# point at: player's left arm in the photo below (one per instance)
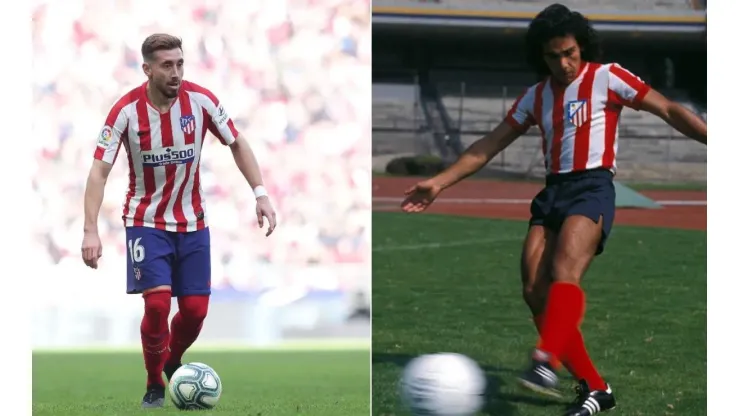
(676, 115)
(221, 125)
(247, 164)
(633, 92)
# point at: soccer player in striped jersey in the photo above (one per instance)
(163, 124)
(576, 106)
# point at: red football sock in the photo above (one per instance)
(563, 313)
(580, 363)
(576, 359)
(155, 335)
(186, 324)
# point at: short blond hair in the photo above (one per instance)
(159, 42)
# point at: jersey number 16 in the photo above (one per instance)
(136, 250)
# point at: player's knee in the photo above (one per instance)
(564, 274)
(193, 308)
(528, 290)
(529, 281)
(157, 304)
(530, 299)
(535, 296)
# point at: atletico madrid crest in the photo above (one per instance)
(187, 123)
(578, 112)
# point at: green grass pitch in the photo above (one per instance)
(320, 383)
(452, 284)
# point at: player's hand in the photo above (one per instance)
(264, 209)
(92, 249)
(420, 196)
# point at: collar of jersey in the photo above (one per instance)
(151, 104)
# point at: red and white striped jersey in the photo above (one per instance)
(164, 151)
(579, 122)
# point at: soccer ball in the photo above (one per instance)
(195, 386)
(444, 384)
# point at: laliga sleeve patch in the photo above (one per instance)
(105, 137)
(221, 116)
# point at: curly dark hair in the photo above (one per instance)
(554, 21)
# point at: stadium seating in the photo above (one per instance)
(481, 113)
(648, 149)
(395, 106)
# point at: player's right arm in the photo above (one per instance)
(109, 143)
(478, 155)
(94, 193)
(475, 157)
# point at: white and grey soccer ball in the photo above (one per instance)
(195, 386)
(443, 384)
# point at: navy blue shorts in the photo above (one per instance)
(157, 258)
(589, 193)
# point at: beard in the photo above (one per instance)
(169, 91)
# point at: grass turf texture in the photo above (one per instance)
(324, 383)
(452, 284)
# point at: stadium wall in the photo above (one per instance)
(328, 306)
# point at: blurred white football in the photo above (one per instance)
(443, 384)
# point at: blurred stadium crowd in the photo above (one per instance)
(295, 78)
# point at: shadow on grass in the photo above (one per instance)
(497, 403)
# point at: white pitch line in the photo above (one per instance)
(686, 203)
(446, 244)
(514, 201)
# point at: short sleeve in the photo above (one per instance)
(111, 135)
(627, 88)
(217, 120)
(221, 124)
(520, 115)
